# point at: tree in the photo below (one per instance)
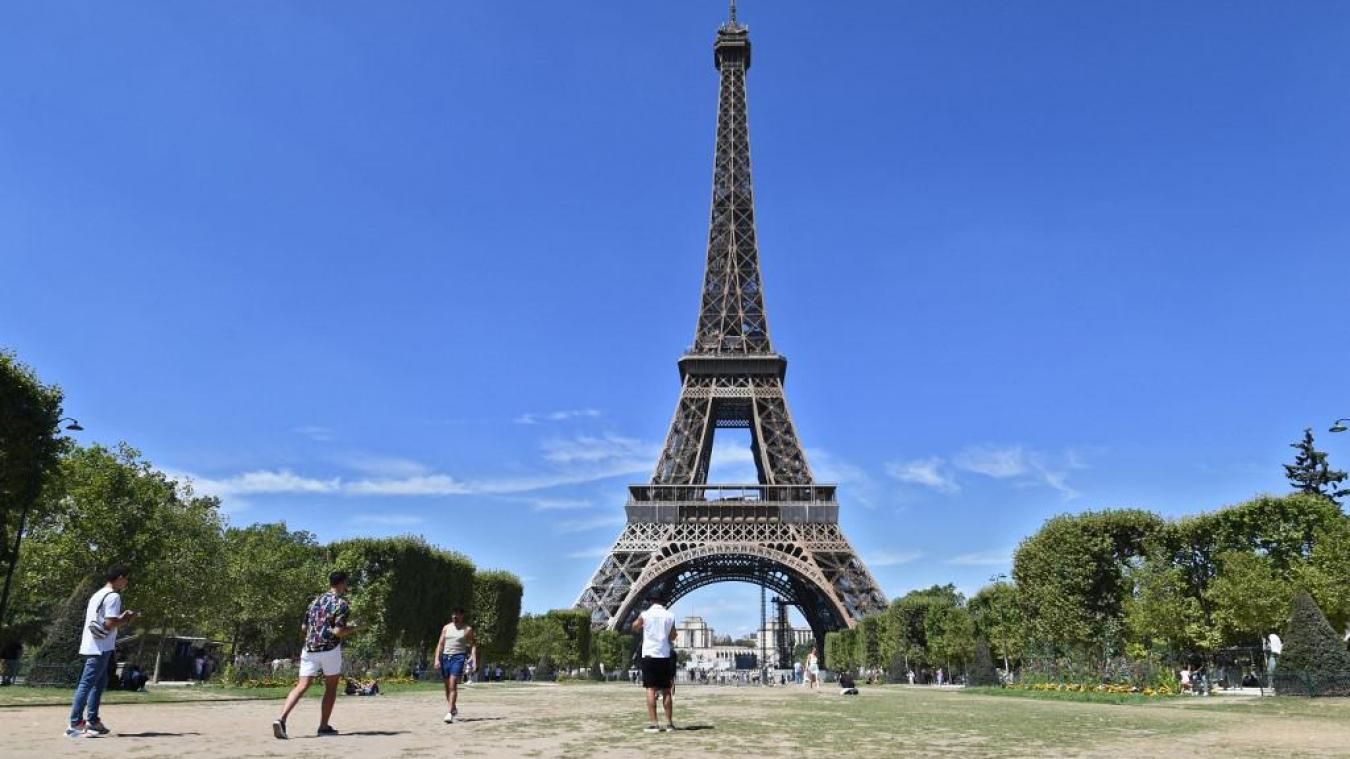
(951, 636)
(1310, 473)
(271, 575)
(681, 657)
(906, 627)
(1250, 598)
(496, 612)
(1314, 661)
(998, 618)
(1071, 578)
(29, 450)
(560, 638)
(572, 648)
(112, 507)
(613, 649)
(536, 637)
(1161, 615)
(1326, 574)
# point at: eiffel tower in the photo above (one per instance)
(782, 532)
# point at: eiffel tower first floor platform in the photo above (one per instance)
(680, 538)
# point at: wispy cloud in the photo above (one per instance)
(565, 462)
(435, 484)
(558, 504)
(892, 558)
(598, 552)
(856, 484)
(1031, 467)
(263, 481)
(586, 525)
(315, 432)
(557, 416)
(997, 558)
(929, 472)
(991, 461)
(590, 449)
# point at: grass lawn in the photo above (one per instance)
(593, 719)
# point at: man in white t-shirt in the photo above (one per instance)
(1274, 647)
(102, 619)
(657, 626)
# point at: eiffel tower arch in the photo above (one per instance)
(780, 532)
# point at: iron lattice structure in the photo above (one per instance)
(781, 532)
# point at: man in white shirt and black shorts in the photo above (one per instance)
(657, 627)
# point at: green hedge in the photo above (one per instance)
(842, 650)
(496, 613)
(402, 591)
(576, 629)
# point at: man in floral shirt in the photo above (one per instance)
(325, 625)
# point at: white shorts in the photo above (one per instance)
(327, 662)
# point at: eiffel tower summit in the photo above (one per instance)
(781, 532)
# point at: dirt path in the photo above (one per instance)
(606, 720)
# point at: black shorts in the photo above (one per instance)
(658, 672)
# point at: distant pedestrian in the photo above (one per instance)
(103, 618)
(797, 672)
(657, 626)
(813, 669)
(326, 624)
(1274, 647)
(457, 651)
(939, 677)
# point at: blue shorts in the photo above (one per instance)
(452, 665)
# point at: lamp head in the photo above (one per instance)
(1339, 426)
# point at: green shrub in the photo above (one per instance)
(982, 673)
(62, 641)
(1314, 661)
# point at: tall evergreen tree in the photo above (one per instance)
(1310, 472)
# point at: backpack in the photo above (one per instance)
(98, 626)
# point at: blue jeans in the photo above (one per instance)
(93, 680)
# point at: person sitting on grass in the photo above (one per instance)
(369, 687)
(846, 685)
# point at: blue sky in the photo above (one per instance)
(427, 267)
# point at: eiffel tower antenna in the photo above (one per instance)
(782, 531)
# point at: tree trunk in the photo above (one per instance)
(159, 653)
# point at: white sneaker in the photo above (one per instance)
(651, 729)
(76, 731)
(449, 717)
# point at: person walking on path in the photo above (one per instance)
(326, 624)
(456, 642)
(98, 640)
(813, 669)
(657, 626)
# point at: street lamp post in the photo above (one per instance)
(74, 426)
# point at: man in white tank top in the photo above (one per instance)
(657, 627)
(456, 651)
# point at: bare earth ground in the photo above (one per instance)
(583, 720)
